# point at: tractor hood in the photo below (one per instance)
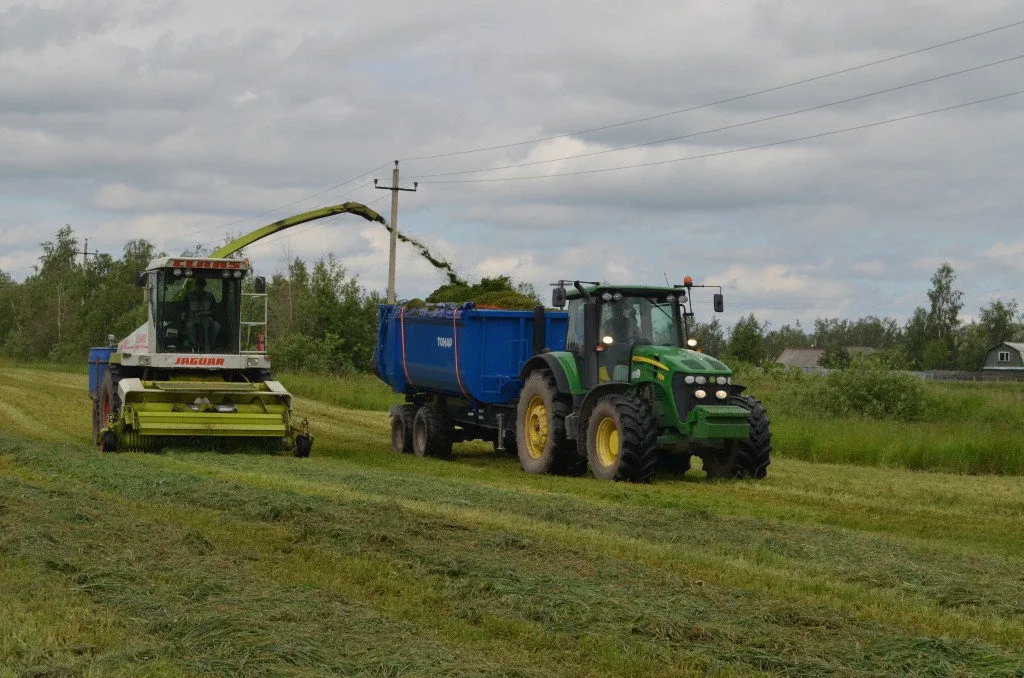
(683, 360)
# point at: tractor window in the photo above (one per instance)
(574, 338)
(197, 314)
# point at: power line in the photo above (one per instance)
(727, 127)
(720, 101)
(732, 150)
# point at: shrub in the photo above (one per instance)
(868, 387)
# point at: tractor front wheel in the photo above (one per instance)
(622, 439)
(401, 429)
(747, 458)
(541, 440)
(431, 434)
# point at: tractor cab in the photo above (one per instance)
(612, 327)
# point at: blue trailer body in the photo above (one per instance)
(99, 358)
(460, 351)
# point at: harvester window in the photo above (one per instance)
(197, 314)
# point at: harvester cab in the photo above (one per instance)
(198, 366)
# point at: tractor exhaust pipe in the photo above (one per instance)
(538, 329)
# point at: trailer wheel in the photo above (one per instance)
(745, 458)
(401, 429)
(431, 434)
(622, 439)
(540, 428)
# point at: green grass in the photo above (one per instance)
(965, 427)
(359, 561)
(356, 391)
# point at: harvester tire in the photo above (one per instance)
(622, 439)
(747, 458)
(303, 445)
(431, 434)
(401, 429)
(541, 441)
(107, 405)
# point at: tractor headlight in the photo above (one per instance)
(700, 394)
(688, 379)
(144, 360)
(226, 274)
(608, 340)
(617, 296)
(721, 394)
(722, 381)
(607, 296)
(177, 272)
(238, 273)
(252, 361)
(188, 272)
(700, 379)
(691, 342)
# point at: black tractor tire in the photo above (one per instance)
(541, 441)
(108, 403)
(96, 424)
(747, 458)
(622, 439)
(431, 433)
(303, 445)
(401, 429)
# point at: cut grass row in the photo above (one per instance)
(359, 561)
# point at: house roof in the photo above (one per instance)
(1016, 346)
(801, 357)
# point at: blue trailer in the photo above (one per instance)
(615, 384)
(466, 362)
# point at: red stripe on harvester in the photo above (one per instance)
(401, 322)
(455, 345)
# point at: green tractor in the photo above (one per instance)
(629, 393)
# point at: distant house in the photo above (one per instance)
(808, 358)
(1008, 355)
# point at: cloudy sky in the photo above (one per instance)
(185, 121)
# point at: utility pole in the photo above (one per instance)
(85, 254)
(394, 188)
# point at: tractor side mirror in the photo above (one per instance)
(558, 297)
(719, 302)
(260, 285)
(140, 279)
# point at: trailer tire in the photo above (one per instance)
(747, 458)
(401, 429)
(540, 436)
(431, 434)
(622, 439)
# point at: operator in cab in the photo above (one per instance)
(200, 304)
(618, 331)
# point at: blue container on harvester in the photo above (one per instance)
(462, 352)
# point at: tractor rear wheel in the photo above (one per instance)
(401, 429)
(622, 439)
(541, 440)
(431, 434)
(747, 458)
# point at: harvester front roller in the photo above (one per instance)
(150, 413)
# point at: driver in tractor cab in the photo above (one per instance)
(199, 306)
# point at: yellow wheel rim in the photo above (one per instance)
(607, 442)
(536, 433)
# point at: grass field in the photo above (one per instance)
(358, 561)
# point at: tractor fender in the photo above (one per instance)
(589, 402)
(736, 389)
(547, 361)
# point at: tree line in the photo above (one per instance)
(322, 320)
